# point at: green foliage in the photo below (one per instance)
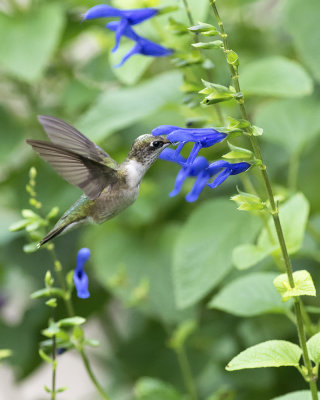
(154, 389)
(299, 395)
(290, 123)
(302, 23)
(276, 77)
(293, 215)
(120, 108)
(202, 257)
(273, 353)
(303, 285)
(253, 294)
(155, 267)
(314, 347)
(40, 29)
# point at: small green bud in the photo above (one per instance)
(205, 29)
(53, 212)
(52, 302)
(233, 58)
(32, 173)
(31, 247)
(216, 44)
(19, 225)
(238, 153)
(48, 279)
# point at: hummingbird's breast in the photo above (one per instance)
(112, 201)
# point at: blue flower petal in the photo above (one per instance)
(164, 130)
(80, 278)
(119, 32)
(127, 31)
(237, 168)
(200, 183)
(136, 49)
(170, 155)
(135, 16)
(194, 152)
(181, 177)
(102, 11)
(220, 178)
(149, 48)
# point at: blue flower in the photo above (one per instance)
(202, 137)
(202, 171)
(80, 278)
(127, 17)
(143, 46)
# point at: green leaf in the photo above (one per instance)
(273, 353)
(302, 21)
(120, 108)
(303, 285)
(293, 216)
(314, 348)
(238, 152)
(247, 255)
(47, 292)
(202, 254)
(290, 123)
(40, 29)
(5, 353)
(154, 389)
(298, 395)
(69, 322)
(275, 76)
(249, 295)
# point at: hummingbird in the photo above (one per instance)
(108, 187)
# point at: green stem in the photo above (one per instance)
(54, 368)
(275, 214)
(92, 376)
(58, 270)
(196, 40)
(187, 373)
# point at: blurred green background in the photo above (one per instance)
(161, 261)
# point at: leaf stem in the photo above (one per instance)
(54, 368)
(274, 211)
(186, 372)
(92, 376)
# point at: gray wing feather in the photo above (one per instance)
(89, 175)
(68, 137)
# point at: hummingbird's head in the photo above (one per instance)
(146, 148)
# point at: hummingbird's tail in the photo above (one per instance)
(61, 226)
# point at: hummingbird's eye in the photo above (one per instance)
(157, 144)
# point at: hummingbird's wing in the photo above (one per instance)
(90, 175)
(68, 137)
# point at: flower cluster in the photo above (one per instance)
(128, 18)
(197, 167)
(80, 278)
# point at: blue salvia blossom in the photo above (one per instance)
(143, 46)
(203, 171)
(80, 278)
(128, 18)
(201, 137)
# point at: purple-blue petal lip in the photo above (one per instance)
(80, 278)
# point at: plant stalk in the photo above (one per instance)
(92, 376)
(275, 215)
(186, 373)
